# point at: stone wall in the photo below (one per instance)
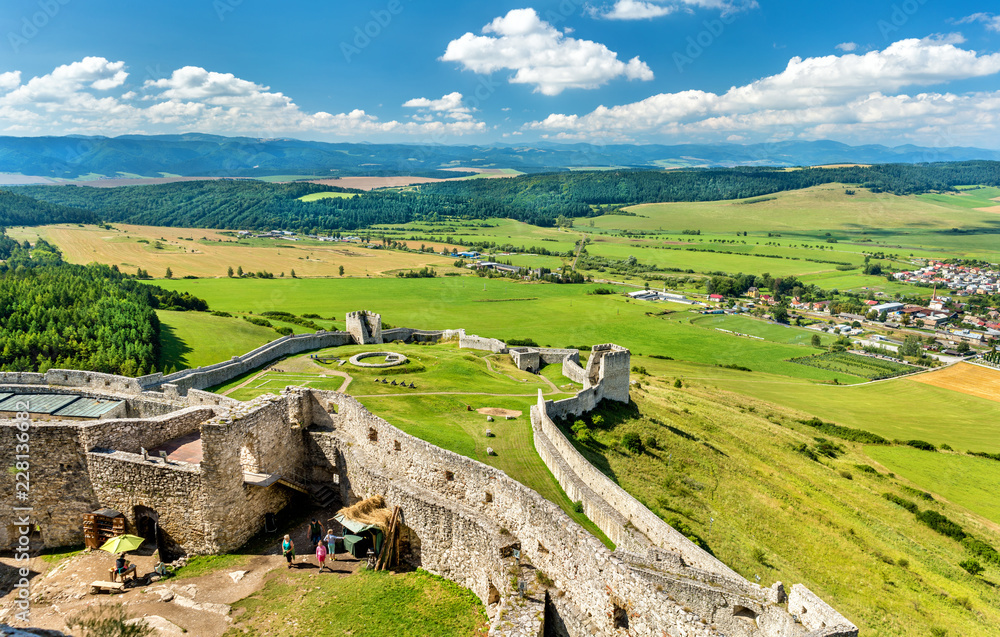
(134, 434)
(532, 359)
(571, 369)
(453, 506)
(818, 616)
(469, 341)
(219, 373)
(634, 512)
(124, 481)
(60, 492)
(256, 437)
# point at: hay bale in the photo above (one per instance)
(371, 511)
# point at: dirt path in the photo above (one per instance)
(548, 382)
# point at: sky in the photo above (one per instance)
(923, 72)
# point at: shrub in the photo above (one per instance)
(946, 447)
(972, 566)
(941, 524)
(632, 443)
(981, 549)
(903, 502)
(651, 442)
(544, 579)
(578, 506)
(678, 384)
(903, 562)
(223, 314)
(258, 321)
(283, 330)
(521, 342)
(866, 468)
(921, 444)
(845, 474)
(846, 433)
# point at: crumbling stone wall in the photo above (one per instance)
(442, 487)
(260, 430)
(470, 341)
(134, 434)
(124, 481)
(60, 489)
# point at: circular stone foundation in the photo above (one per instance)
(389, 359)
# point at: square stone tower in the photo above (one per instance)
(364, 327)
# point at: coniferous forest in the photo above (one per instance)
(57, 315)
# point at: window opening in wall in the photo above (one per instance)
(494, 595)
(620, 617)
(744, 612)
(489, 497)
(372, 434)
(449, 476)
(397, 446)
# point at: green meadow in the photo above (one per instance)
(963, 480)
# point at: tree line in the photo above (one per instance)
(545, 199)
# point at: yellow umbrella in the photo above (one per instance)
(122, 544)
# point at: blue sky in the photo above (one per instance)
(416, 71)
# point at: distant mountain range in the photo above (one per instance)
(197, 154)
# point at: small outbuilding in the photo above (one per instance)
(365, 525)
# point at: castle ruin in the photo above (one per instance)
(464, 520)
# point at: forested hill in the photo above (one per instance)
(536, 199)
(19, 210)
(57, 315)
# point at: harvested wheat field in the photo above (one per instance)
(968, 379)
(209, 253)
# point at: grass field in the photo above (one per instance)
(208, 253)
(963, 480)
(366, 604)
(509, 309)
(899, 408)
(316, 196)
(194, 339)
(768, 331)
(974, 380)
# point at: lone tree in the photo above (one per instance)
(293, 274)
(963, 348)
(341, 270)
(816, 341)
(170, 273)
(239, 270)
(229, 272)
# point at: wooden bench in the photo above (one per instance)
(113, 573)
(111, 587)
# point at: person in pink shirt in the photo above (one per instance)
(321, 557)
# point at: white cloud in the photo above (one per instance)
(541, 55)
(842, 96)
(847, 47)
(10, 80)
(991, 21)
(449, 105)
(648, 9)
(81, 98)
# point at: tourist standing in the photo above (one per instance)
(315, 532)
(321, 556)
(288, 550)
(331, 544)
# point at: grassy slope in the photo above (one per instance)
(969, 482)
(784, 517)
(194, 339)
